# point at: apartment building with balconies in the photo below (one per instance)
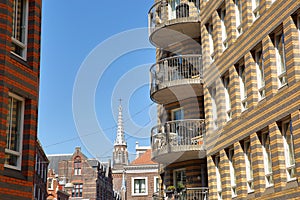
(231, 124)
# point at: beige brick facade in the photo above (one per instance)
(249, 97)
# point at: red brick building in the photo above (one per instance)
(142, 179)
(20, 30)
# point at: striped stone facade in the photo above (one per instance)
(19, 75)
(244, 116)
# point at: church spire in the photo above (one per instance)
(120, 140)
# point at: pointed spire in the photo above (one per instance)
(120, 140)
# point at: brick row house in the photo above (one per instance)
(227, 86)
(80, 177)
(20, 30)
(40, 175)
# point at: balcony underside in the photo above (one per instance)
(177, 90)
(175, 31)
(170, 154)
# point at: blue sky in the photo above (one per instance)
(70, 32)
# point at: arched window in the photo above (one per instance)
(77, 166)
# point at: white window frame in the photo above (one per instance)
(226, 83)
(50, 182)
(266, 149)
(260, 74)
(238, 16)
(15, 41)
(255, 9)
(243, 85)
(213, 94)
(280, 59)
(156, 182)
(209, 28)
(232, 172)
(132, 186)
(289, 150)
(79, 189)
(21, 126)
(248, 164)
(222, 15)
(218, 177)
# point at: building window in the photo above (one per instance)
(19, 28)
(218, 176)
(179, 177)
(177, 114)
(298, 27)
(139, 186)
(222, 15)
(213, 94)
(238, 16)
(225, 80)
(240, 68)
(14, 132)
(248, 162)
(260, 74)
(172, 8)
(209, 28)
(232, 172)
(255, 8)
(156, 184)
(288, 144)
(50, 183)
(266, 148)
(77, 190)
(280, 58)
(77, 166)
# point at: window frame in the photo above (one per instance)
(232, 170)
(133, 193)
(210, 29)
(217, 160)
(222, 15)
(280, 59)
(173, 111)
(156, 187)
(24, 26)
(238, 16)
(241, 70)
(175, 181)
(260, 72)
(213, 95)
(79, 189)
(267, 155)
(248, 165)
(289, 149)
(21, 130)
(256, 9)
(226, 85)
(77, 166)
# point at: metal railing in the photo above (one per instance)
(164, 11)
(186, 134)
(197, 193)
(176, 70)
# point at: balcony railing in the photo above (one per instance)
(177, 70)
(162, 12)
(200, 193)
(178, 136)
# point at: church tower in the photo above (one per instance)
(120, 153)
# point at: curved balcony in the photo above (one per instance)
(173, 20)
(179, 140)
(176, 78)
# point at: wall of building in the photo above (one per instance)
(21, 77)
(262, 115)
